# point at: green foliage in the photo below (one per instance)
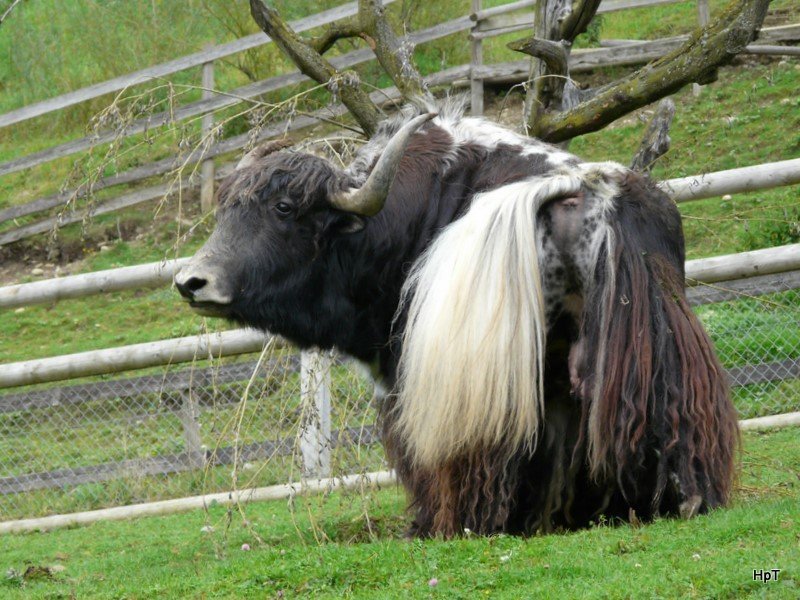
(759, 233)
(594, 31)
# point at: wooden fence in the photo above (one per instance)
(481, 23)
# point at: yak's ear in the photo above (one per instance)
(332, 223)
(263, 150)
(347, 223)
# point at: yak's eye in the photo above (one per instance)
(283, 209)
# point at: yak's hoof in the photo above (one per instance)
(689, 508)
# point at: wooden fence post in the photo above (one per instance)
(189, 415)
(315, 437)
(476, 60)
(703, 16)
(207, 168)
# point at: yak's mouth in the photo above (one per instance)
(211, 309)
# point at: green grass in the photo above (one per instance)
(347, 545)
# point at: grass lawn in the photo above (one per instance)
(325, 547)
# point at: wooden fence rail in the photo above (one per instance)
(171, 382)
(160, 167)
(704, 270)
(620, 53)
(133, 357)
(734, 181)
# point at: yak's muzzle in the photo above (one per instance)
(204, 287)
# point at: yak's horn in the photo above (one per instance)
(368, 200)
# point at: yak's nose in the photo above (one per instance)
(202, 283)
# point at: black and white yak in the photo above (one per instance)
(523, 310)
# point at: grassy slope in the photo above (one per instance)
(711, 556)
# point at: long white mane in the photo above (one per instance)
(471, 371)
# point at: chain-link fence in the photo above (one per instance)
(180, 431)
(755, 327)
(259, 420)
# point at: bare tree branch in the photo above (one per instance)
(545, 86)
(311, 63)
(695, 61)
(8, 10)
(554, 55)
(655, 142)
(396, 55)
(348, 28)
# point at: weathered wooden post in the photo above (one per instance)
(703, 15)
(315, 437)
(207, 168)
(476, 60)
(189, 415)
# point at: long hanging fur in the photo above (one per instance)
(471, 371)
(660, 420)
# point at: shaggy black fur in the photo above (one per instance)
(658, 432)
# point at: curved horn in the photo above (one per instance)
(368, 200)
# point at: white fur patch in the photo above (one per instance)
(479, 131)
(471, 372)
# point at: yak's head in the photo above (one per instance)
(278, 213)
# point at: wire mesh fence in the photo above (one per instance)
(175, 432)
(755, 327)
(257, 420)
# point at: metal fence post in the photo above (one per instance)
(476, 60)
(703, 16)
(315, 437)
(207, 168)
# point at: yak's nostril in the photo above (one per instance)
(188, 288)
(195, 283)
(203, 286)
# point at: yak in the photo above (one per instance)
(522, 311)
